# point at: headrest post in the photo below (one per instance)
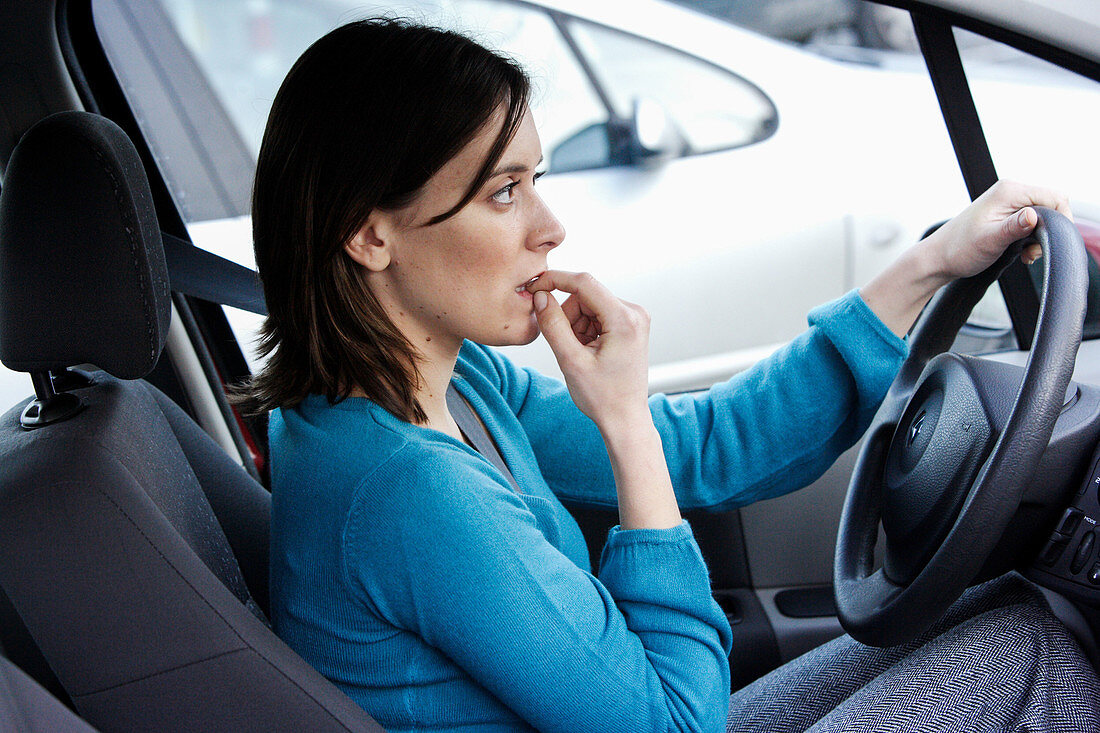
(48, 406)
(43, 386)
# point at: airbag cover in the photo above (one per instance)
(938, 448)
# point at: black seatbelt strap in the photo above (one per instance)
(196, 272)
(941, 56)
(475, 432)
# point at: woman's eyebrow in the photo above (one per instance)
(514, 168)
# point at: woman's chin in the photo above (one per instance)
(516, 334)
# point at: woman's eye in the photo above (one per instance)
(504, 195)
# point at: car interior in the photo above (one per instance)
(134, 515)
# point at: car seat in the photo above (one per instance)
(121, 521)
(26, 707)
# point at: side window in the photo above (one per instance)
(245, 49)
(728, 251)
(1039, 119)
(712, 108)
(200, 76)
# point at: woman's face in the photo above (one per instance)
(464, 277)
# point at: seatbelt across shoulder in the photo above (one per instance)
(475, 432)
(196, 272)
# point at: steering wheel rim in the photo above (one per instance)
(956, 526)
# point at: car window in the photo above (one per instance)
(727, 250)
(246, 49)
(241, 51)
(563, 100)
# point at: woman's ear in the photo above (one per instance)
(370, 246)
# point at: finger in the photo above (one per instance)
(588, 330)
(569, 282)
(572, 308)
(575, 283)
(555, 327)
(587, 294)
(545, 281)
(1037, 196)
(584, 322)
(1051, 200)
(1031, 253)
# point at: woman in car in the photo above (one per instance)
(421, 555)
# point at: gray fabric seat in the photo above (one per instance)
(25, 706)
(133, 548)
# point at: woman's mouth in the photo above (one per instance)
(522, 289)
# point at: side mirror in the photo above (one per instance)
(585, 149)
(652, 135)
(648, 137)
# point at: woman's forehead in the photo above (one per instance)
(523, 150)
(451, 182)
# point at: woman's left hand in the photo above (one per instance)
(962, 247)
(974, 239)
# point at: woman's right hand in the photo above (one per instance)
(601, 344)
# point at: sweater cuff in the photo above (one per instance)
(851, 323)
(872, 351)
(631, 554)
(618, 536)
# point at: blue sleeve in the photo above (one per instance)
(767, 431)
(643, 647)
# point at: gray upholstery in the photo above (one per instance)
(122, 527)
(26, 707)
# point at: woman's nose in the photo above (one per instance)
(546, 231)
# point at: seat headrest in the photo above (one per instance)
(82, 272)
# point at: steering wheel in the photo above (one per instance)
(950, 451)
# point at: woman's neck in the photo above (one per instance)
(436, 366)
(437, 354)
(436, 373)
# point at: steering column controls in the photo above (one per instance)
(1070, 553)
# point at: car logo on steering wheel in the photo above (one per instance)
(914, 429)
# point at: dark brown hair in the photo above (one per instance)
(363, 119)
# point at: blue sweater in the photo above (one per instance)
(406, 569)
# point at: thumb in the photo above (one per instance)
(1020, 224)
(554, 324)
